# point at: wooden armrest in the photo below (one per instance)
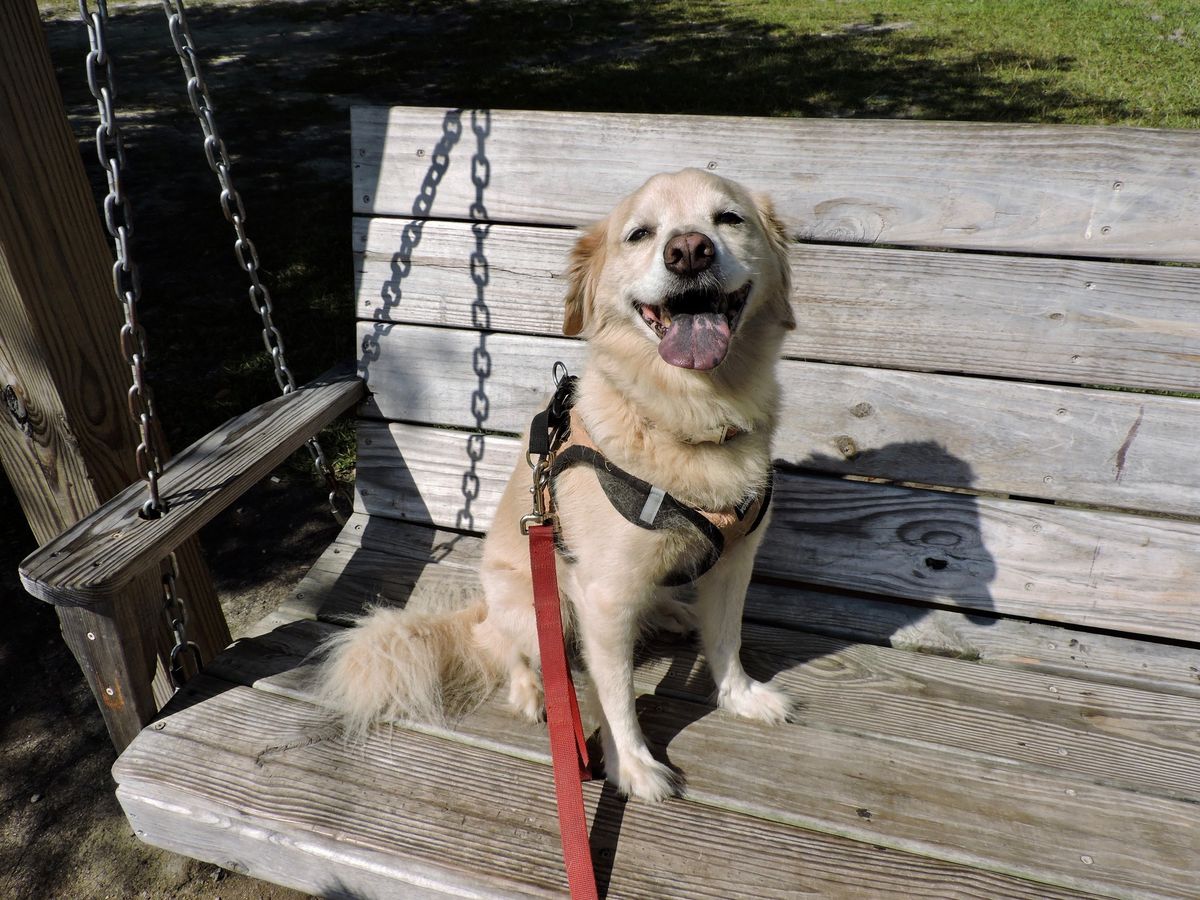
(92, 561)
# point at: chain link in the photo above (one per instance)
(127, 284)
(176, 612)
(245, 251)
(481, 317)
(118, 220)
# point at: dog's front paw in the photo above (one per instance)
(755, 700)
(647, 779)
(525, 694)
(640, 775)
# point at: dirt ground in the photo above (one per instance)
(62, 832)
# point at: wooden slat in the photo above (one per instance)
(1071, 321)
(92, 561)
(59, 356)
(1128, 738)
(378, 560)
(1079, 191)
(1111, 448)
(1035, 560)
(967, 808)
(434, 813)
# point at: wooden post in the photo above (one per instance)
(69, 446)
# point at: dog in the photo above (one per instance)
(682, 293)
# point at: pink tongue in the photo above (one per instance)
(696, 341)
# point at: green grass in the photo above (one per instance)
(1135, 62)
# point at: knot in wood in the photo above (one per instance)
(861, 410)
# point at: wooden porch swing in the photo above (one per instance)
(981, 582)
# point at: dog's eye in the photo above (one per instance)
(637, 234)
(729, 217)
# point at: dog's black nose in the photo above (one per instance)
(689, 254)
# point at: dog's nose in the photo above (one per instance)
(689, 254)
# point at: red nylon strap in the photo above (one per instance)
(568, 749)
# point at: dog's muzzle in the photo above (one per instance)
(695, 327)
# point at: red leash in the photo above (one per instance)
(568, 748)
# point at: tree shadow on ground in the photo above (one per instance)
(283, 76)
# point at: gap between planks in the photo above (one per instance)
(243, 761)
(379, 560)
(1020, 819)
(1100, 570)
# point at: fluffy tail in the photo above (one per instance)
(406, 665)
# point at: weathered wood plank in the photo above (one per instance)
(1078, 191)
(427, 811)
(1035, 560)
(968, 809)
(275, 851)
(377, 560)
(1126, 738)
(1045, 319)
(59, 356)
(1111, 448)
(91, 562)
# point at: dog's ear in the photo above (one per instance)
(583, 271)
(780, 241)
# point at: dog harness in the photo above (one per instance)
(639, 502)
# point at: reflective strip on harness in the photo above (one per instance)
(653, 502)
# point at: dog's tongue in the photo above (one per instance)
(696, 340)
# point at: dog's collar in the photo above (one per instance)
(718, 435)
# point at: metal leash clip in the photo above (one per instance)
(541, 514)
(546, 434)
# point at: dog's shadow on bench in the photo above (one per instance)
(873, 563)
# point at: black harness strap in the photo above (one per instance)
(638, 501)
(651, 508)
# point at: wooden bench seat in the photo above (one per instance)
(980, 583)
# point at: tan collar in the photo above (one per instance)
(718, 435)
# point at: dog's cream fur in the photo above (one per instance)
(650, 418)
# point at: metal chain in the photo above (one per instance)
(118, 219)
(176, 612)
(243, 248)
(481, 317)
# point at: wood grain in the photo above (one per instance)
(1109, 448)
(1037, 318)
(91, 562)
(378, 560)
(1070, 190)
(59, 356)
(1127, 738)
(967, 809)
(461, 802)
(431, 812)
(1035, 560)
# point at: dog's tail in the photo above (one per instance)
(397, 664)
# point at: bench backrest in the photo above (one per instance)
(945, 439)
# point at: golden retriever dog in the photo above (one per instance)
(682, 292)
